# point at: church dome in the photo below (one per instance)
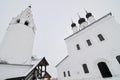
(88, 15)
(73, 25)
(81, 20)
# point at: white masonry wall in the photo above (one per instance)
(17, 44)
(105, 51)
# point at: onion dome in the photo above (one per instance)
(73, 25)
(88, 15)
(81, 20)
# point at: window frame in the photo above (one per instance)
(85, 68)
(89, 43)
(78, 46)
(64, 74)
(69, 73)
(100, 36)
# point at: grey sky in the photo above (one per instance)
(53, 20)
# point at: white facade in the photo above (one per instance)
(98, 53)
(17, 44)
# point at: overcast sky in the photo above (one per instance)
(53, 20)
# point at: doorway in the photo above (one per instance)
(105, 72)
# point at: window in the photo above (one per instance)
(18, 21)
(118, 58)
(69, 73)
(78, 47)
(89, 42)
(105, 72)
(26, 23)
(85, 68)
(101, 37)
(64, 74)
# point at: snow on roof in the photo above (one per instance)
(17, 71)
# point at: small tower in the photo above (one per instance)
(82, 22)
(74, 27)
(90, 17)
(17, 44)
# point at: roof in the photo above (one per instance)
(16, 64)
(47, 75)
(109, 14)
(62, 61)
(41, 62)
(16, 78)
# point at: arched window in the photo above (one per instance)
(26, 23)
(85, 68)
(89, 42)
(64, 74)
(100, 36)
(105, 72)
(18, 21)
(118, 58)
(78, 46)
(69, 73)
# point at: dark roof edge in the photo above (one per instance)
(90, 24)
(16, 78)
(62, 61)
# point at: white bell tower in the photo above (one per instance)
(17, 44)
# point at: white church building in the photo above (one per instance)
(16, 59)
(94, 50)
